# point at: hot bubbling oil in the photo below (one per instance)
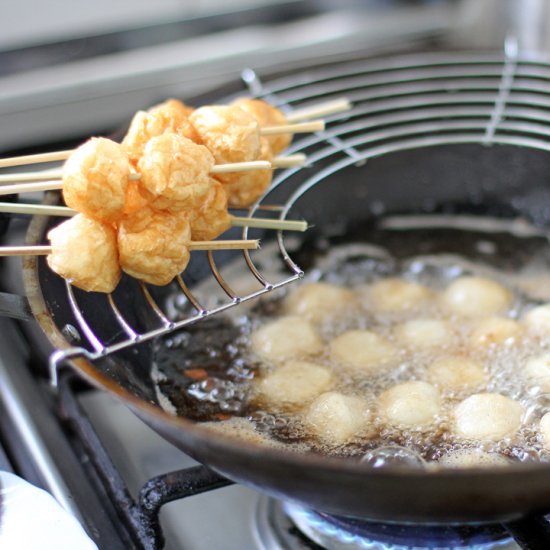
(208, 372)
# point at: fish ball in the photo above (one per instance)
(153, 245)
(319, 301)
(211, 218)
(409, 405)
(537, 320)
(487, 417)
(294, 384)
(455, 372)
(537, 371)
(425, 334)
(496, 331)
(335, 418)
(476, 297)
(472, 458)
(394, 295)
(267, 115)
(285, 338)
(544, 431)
(84, 252)
(231, 134)
(362, 350)
(95, 178)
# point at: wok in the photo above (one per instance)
(445, 168)
(343, 487)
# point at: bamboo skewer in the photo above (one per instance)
(44, 250)
(289, 161)
(298, 128)
(320, 110)
(236, 221)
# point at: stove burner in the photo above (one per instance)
(286, 526)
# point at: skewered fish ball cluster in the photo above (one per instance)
(399, 359)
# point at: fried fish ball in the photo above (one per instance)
(171, 116)
(476, 297)
(319, 301)
(393, 295)
(176, 172)
(425, 334)
(537, 371)
(95, 178)
(229, 133)
(267, 115)
(456, 372)
(487, 417)
(472, 458)
(245, 187)
(294, 384)
(496, 331)
(84, 252)
(211, 218)
(544, 431)
(153, 245)
(537, 320)
(286, 338)
(136, 198)
(409, 405)
(336, 418)
(362, 350)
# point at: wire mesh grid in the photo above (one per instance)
(399, 103)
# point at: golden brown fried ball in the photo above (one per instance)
(229, 133)
(244, 188)
(176, 172)
(170, 116)
(136, 197)
(153, 245)
(267, 115)
(95, 178)
(84, 252)
(211, 218)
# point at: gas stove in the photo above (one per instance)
(128, 486)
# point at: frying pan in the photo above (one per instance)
(444, 169)
(333, 485)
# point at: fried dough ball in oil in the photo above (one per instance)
(153, 245)
(335, 418)
(230, 134)
(455, 372)
(537, 320)
(84, 252)
(286, 338)
(267, 115)
(362, 351)
(393, 295)
(409, 405)
(244, 188)
(319, 301)
(171, 116)
(425, 334)
(176, 172)
(544, 431)
(95, 178)
(496, 331)
(537, 371)
(293, 384)
(476, 297)
(211, 218)
(487, 417)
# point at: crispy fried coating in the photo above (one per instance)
(244, 188)
(211, 219)
(176, 172)
(170, 116)
(84, 251)
(153, 245)
(230, 134)
(136, 197)
(95, 178)
(266, 115)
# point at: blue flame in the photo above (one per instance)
(355, 540)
